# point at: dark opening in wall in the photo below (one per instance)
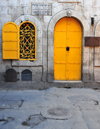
(11, 75)
(26, 75)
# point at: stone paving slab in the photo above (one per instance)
(54, 108)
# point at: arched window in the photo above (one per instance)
(27, 43)
(26, 75)
(11, 75)
(19, 43)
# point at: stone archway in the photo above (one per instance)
(39, 41)
(85, 26)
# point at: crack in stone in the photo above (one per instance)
(21, 103)
(96, 102)
(36, 119)
(11, 104)
(6, 120)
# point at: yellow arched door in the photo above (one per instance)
(67, 49)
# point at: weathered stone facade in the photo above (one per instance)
(43, 68)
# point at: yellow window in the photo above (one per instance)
(10, 43)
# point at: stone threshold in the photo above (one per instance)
(58, 81)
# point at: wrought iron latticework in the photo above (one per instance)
(27, 41)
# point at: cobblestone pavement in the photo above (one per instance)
(54, 108)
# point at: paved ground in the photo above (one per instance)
(54, 108)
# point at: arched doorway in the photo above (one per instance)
(67, 49)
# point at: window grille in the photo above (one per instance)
(27, 43)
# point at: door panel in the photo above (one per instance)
(60, 55)
(62, 37)
(60, 71)
(61, 25)
(67, 49)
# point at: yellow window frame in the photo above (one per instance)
(35, 40)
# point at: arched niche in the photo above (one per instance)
(26, 75)
(11, 75)
(50, 37)
(38, 25)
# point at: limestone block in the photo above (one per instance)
(1, 76)
(44, 48)
(56, 7)
(18, 21)
(50, 77)
(37, 62)
(44, 76)
(78, 8)
(13, 3)
(51, 25)
(3, 10)
(39, 48)
(0, 56)
(0, 48)
(4, 19)
(9, 10)
(98, 28)
(44, 33)
(97, 32)
(39, 33)
(88, 4)
(15, 9)
(0, 34)
(86, 64)
(51, 66)
(45, 60)
(97, 49)
(47, 19)
(27, 10)
(96, 3)
(44, 26)
(44, 41)
(86, 33)
(50, 41)
(24, 3)
(22, 10)
(36, 72)
(50, 53)
(50, 49)
(91, 66)
(39, 40)
(3, 3)
(51, 34)
(97, 73)
(97, 56)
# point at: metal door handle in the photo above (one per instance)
(67, 48)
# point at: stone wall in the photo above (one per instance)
(42, 68)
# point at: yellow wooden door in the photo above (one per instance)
(67, 49)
